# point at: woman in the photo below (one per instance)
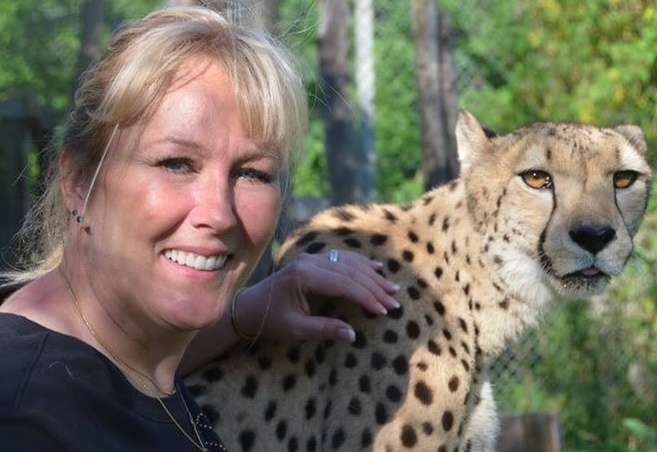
(167, 190)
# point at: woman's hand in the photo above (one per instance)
(277, 307)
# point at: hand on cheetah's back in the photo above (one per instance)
(543, 213)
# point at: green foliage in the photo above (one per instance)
(518, 62)
(397, 123)
(39, 44)
(581, 368)
(642, 432)
(311, 176)
(297, 26)
(38, 47)
(592, 62)
(397, 120)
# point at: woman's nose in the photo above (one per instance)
(215, 208)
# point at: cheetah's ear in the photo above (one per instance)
(471, 138)
(635, 136)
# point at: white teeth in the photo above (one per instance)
(210, 262)
(196, 261)
(199, 262)
(190, 261)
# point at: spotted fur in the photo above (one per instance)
(535, 214)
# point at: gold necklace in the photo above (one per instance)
(137, 376)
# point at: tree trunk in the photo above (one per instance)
(337, 110)
(365, 86)
(449, 98)
(439, 163)
(535, 432)
(91, 20)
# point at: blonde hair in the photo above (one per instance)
(126, 85)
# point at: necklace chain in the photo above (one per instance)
(137, 376)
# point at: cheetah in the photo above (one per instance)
(546, 212)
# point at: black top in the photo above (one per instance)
(58, 393)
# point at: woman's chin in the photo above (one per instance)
(190, 319)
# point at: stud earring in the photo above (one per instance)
(78, 217)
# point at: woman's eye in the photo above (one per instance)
(254, 175)
(177, 164)
(623, 179)
(537, 179)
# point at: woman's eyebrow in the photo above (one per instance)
(183, 142)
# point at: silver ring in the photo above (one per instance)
(334, 256)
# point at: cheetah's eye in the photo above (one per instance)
(537, 179)
(624, 179)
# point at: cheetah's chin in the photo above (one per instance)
(585, 282)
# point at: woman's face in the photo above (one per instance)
(183, 208)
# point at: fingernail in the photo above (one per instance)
(347, 334)
(394, 303)
(383, 310)
(393, 286)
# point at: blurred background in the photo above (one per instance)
(385, 80)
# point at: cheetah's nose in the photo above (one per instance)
(593, 238)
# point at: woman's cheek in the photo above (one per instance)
(259, 211)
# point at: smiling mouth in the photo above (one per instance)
(196, 261)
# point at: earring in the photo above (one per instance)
(78, 217)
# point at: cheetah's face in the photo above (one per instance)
(564, 199)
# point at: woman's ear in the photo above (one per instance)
(72, 180)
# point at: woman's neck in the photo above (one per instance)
(149, 361)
